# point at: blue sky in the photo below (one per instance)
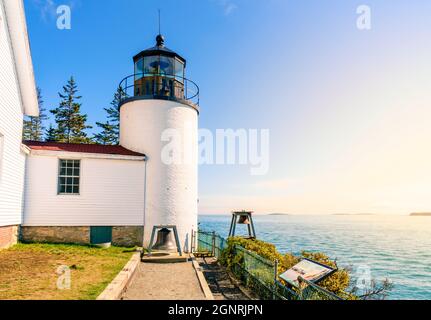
(348, 110)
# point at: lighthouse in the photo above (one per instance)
(159, 99)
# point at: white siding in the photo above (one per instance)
(112, 193)
(13, 160)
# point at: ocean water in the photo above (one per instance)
(393, 247)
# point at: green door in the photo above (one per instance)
(99, 235)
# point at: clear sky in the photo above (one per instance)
(349, 110)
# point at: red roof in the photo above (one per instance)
(82, 148)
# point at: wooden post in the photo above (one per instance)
(252, 226)
(231, 234)
(301, 287)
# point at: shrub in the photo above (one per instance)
(337, 283)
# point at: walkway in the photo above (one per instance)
(164, 281)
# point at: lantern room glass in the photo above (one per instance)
(166, 66)
(151, 65)
(139, 69)
(159, 65)
(179, 71)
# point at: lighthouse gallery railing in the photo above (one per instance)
(159, 86)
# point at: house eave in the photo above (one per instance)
(25, 149)
(16, 22)
(82, 155)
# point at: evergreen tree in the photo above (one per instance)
(71, 124)
(107, 136)
(110, 134)
(51, 134)
(33, 126)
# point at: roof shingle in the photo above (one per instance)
(81, 148)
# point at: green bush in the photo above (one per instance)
(337, 283)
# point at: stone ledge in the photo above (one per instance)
(55, 234)
(201, 278)
(116, 288)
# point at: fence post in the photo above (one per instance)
(213, 244)
(192, 246)
(274, 293)
(301, 288)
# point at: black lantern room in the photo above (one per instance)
(160, 74)
(159, 71)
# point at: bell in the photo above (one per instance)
(243, 219)
(164, 240)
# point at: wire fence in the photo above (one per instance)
(205, 243)
(312, 291)
(259, 274)
(255, 272)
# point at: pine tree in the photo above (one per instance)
(33, 126)
(71, 124)
(110, 134)
(107, 136)
(51, 134)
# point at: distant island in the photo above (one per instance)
(354, 214)
(278, 214)
(420, 214)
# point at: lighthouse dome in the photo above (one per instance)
(159, 50)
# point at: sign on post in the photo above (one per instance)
(306, 269)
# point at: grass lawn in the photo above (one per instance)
(29, 271)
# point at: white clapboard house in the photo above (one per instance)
(17, 98)
(84, 194)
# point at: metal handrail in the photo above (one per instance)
(190, 94)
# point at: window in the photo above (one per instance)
(166, 66)
(139, 69)
(68, 178)
(151, 65)
(179, 70)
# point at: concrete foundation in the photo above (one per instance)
(77, 235)
(8, 236)
(127, 236)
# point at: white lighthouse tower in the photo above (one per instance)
(159, 100)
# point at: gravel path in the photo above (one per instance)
(164, 281)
